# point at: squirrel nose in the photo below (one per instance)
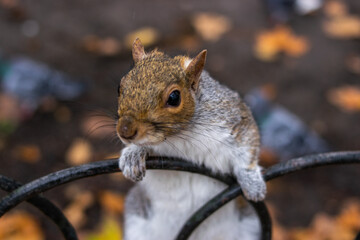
(127, 128)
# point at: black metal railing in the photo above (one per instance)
(29, 192)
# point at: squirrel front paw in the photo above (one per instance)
(252, 184)
(132, 163)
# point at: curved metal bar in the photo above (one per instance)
(44, 205)
(96, 168)
(311, 161)
(109, 166)
(217, 202)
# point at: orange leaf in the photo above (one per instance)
(27, 153)
(335, 8)
(346, 98)
(108, 46)
(279, 40)
(19, 226)
(350, 216)
(112, 202)
(343, 27)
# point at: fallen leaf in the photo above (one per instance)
(211, 26)
(75, 211)
(346, 98)
(110, 230)
(108, 46)
(353, 64)
(9, 3)
(19, 226)
(268, 157)
(344, 27)
(335, 8)
(27, 153)
(148, 36)
(112, 202)
(9, 108)
(80, 152)
(281, 39)
(98, 126)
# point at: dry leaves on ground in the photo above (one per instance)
(340, 24)
(211, 26)
(344, 226)
(20, 226)
(80, 152)
(347, 98)
(269, 44)
(324, 227)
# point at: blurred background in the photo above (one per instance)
(297, 64)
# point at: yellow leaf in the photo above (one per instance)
(110, 230)
(346, 98)
(211, 26)
(148, 36)
(80, 152)
(19, 226)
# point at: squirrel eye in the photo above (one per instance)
(174, 99)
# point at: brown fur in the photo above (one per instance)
(154, 76)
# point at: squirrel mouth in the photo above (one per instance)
(143, 141)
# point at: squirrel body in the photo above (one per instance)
(171, 107)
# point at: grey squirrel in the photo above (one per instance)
(172, 107)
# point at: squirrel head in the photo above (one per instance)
(157, 97)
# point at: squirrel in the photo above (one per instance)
(172, 107)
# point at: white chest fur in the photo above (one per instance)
(175, 196)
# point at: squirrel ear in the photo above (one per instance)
(194, 69)
(138, 51)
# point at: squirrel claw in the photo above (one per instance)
(132, 163)
(252, 184)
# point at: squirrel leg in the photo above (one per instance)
(251, 182)
(132, 162)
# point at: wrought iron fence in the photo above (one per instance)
(29, 191)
